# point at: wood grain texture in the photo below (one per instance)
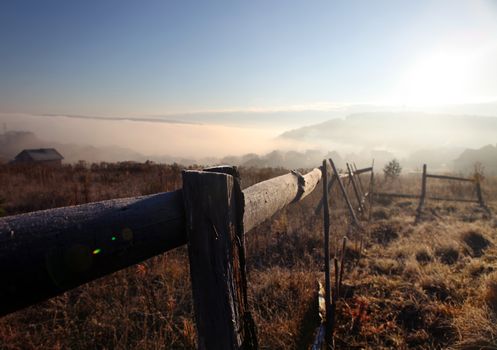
(213, 222)
(326, 230)
(264, 199)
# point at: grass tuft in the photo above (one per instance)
(437, 288)
(448, 254)
(490, 295)
(386, 267)
(384, 233)
(424, 256)
(476, 241)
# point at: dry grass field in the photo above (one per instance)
(429, 285)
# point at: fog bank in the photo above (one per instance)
(152, 138)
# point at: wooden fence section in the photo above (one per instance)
(417, 196)
(423, 195)
(45, 253)
(55, 250)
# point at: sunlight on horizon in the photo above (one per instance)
(442, 77)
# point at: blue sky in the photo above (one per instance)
(104, 57)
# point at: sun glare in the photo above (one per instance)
(435, 79)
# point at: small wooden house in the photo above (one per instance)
(43, 156)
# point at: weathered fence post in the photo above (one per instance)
(327, 291)
(214, 220)
(331, 182)
(423, 193)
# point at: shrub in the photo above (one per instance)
(392, 170)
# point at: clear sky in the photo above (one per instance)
(130, 57)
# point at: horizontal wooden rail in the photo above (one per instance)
(397, 195)
(364, 170)
(264, 199)
(45, 253)
(453, 199)
(416, 196)
(445, 177)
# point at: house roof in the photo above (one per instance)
(41, 154)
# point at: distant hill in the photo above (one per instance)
(440, 159)
(486, 155)
(399, 132)
(285, 159)
(288, 159)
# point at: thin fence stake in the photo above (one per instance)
(478, 191)
(423, 194)
(342, 265)
(337, 279)
(326, 227)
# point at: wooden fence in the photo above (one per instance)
(45, 253)
(476, 180)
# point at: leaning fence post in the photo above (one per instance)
(359, 182)
(214, 219)
(356, 190)
(371, 192)
(344, 193)
(423, 193)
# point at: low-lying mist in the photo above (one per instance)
(446, 142)
(154, 139)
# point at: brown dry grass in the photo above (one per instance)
(427, 286)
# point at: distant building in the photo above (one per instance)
(45, 156)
